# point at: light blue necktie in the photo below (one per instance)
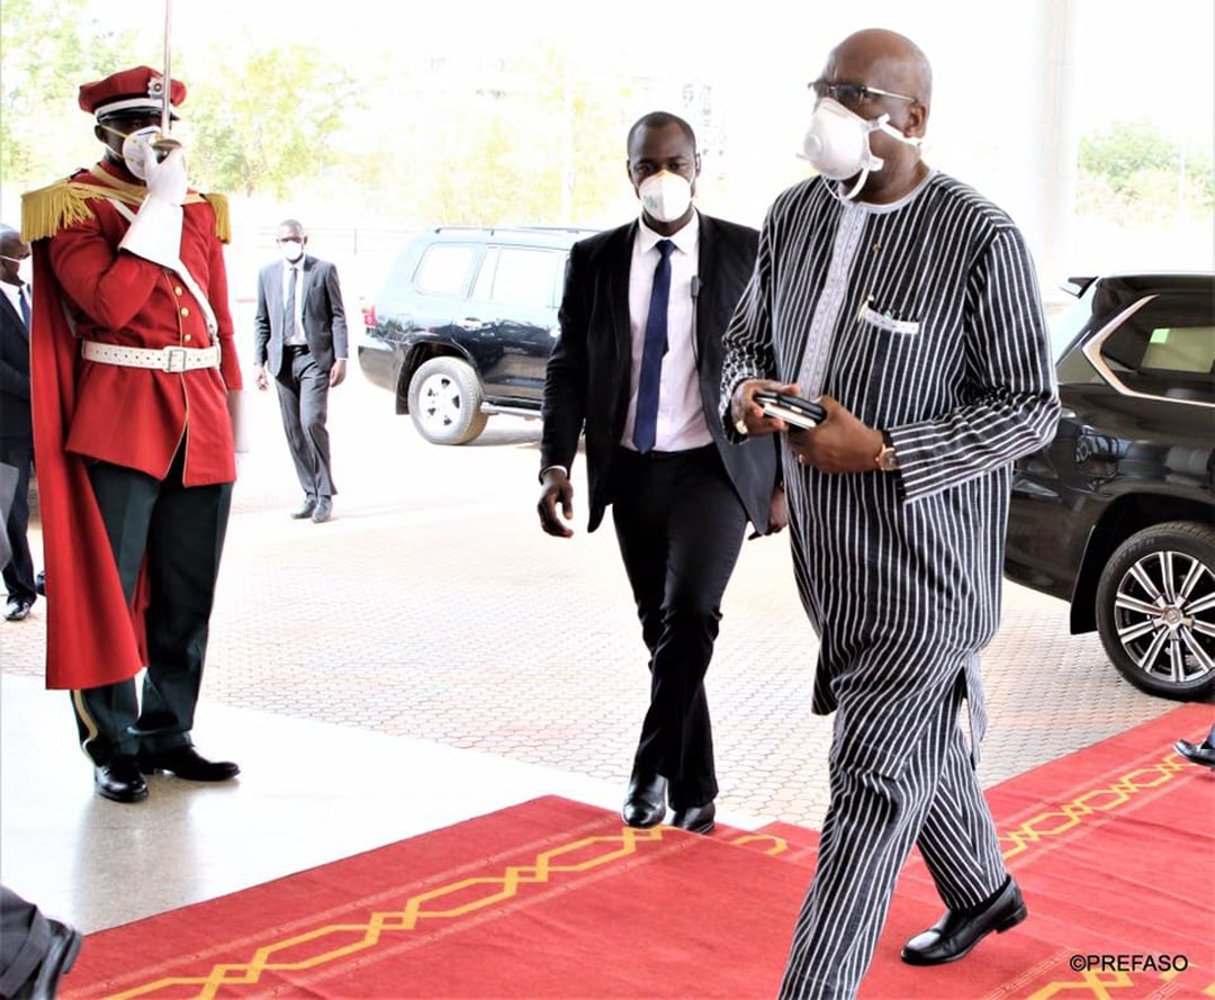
(645, 424)
(25, 306)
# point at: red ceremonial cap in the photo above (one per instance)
(130, 91)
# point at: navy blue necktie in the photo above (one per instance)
(645, 424)
(25, 306)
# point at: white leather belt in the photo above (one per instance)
(166, 359)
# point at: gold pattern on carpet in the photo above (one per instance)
(1069, 815)
(318, 947)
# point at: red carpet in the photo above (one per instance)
(1112, 846)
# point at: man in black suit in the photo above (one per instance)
(637, 367)
(16, 428)
(301, 340)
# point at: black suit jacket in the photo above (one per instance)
(15, 423)
(587, 381)
(324, 314)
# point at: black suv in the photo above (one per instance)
(1117, 514)
(464, 325)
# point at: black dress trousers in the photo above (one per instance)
(680, 525)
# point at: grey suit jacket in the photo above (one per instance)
(323, 312)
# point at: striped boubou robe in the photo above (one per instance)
(923, 318)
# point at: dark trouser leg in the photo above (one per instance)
(680, 527)
(871, 825)
(25, 936)
(106, 715)
(181, 530)
(303, 395)
(185, 542)
(19, 573)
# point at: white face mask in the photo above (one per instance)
(665, 196)
(132, 154)
(24, 266)
(292, 250)
(837, 143)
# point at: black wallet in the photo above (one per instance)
(791, 409)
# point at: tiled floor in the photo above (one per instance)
(430, 655)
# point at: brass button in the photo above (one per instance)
(186, 338)
(177, 290)
(185, 310)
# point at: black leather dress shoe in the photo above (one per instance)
(18, 609)
(324, 510)
(696, 819)
(305, 509)
(955, 934)
(119, 779)
(646, 804)
(187, 763)
(43, 983)
(1197, 753)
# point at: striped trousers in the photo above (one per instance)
(873, 820)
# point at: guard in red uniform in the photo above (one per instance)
(132, 364)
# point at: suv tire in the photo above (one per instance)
(445, 401)
(1155, 588)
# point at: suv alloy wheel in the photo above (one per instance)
(1156, 610)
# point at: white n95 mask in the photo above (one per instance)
(837, 143)
(132, 149)
(665, 196)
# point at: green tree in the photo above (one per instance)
(48, 48)
(1134, 173)
(267, 119)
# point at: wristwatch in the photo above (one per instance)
(886, 460)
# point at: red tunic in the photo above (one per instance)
(127, 416)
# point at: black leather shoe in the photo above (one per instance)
(695, 819)
(18, 609)
(43, 983)
(305, 509)
(119, 779)
(646, 804)
(187, 763)
(1197, 753)
(957, 932)
(324, 510)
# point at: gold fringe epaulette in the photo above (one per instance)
(223, 220)
(48, 210)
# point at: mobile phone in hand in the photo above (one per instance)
(793, 410)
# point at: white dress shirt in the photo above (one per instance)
(681, 418)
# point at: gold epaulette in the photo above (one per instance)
(223, 222)
(47, 210)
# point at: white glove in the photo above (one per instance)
(155, 234)
(166, 179)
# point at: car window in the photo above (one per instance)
(444, 269)
(522, 277)
(1167, 348)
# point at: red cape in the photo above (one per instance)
(92, 637)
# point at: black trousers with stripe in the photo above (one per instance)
(680, 526)
(181, 531)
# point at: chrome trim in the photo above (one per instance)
(514, 411)
(1092, 351)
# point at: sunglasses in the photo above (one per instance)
(852, 93)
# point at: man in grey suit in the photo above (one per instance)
(301, 341)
